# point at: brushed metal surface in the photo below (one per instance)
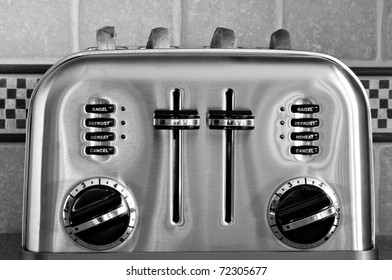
(141, 81)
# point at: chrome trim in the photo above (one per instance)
(229, 123)
(176, 122)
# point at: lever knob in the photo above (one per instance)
(223, 38)
(106, 38)
(159, 39)
(280, 40)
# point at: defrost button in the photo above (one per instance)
(99, 122)
(305, 122)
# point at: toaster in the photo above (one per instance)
(219, 152)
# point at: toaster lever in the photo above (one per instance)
(176, 119)
(235, 119)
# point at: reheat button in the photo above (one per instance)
(304, 136)
(99, 122)
(99, 136)
(305, 122)
(100, 150)
(304, 150)
(99, 108)
(305, 108)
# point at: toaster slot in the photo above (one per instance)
(229, 161)
(229, 119)
(176, 120)
(176, 162)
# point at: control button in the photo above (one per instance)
(100, 150)
(305, 108)
(99, 122)
(306, 122)
(99, 108)
(99, 136)
(304, 136)
(304, 150)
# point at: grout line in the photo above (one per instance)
(75, 25)
(379, 15)
(176, 32)
(279, 13)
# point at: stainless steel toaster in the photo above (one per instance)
(199, 153)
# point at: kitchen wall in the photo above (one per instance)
(359, 32)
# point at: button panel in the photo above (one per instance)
(298, 128)
(98, 134)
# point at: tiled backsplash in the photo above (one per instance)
(355, 31)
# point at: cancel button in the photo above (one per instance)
(304, 150)
(100, 150)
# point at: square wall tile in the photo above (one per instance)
(252, 21)
(11, 187)
(39, 29)
(386, 37)
(345, 29)
(132, 19)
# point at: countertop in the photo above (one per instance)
(10, 245)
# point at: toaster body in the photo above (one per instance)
(199, 154)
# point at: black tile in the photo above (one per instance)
(390, 94)
(389, 113)
(11, 93)
(20, 104)
(3, 83)
(383, 84)
(2, 103)
(21, 83)
(2, 124)
(382, 123)
(10, 114)
(373, 93)
(374, 113)
(20, 123)
(383, 103)
(29, 92)
(365, 83)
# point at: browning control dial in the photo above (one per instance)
(99, 213)
(304, 213)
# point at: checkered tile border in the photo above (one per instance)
(379, 91)
(15, 93)
(16, 90)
